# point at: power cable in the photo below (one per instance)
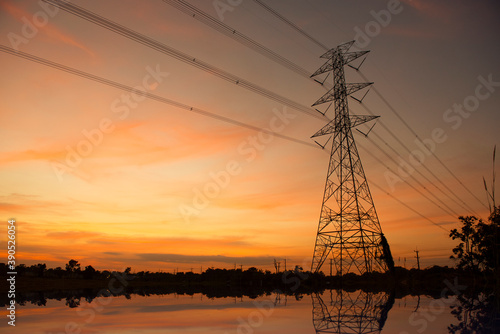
(188, 59)
(158, 98)
(291, 24)
(301, 31)
(230, 32)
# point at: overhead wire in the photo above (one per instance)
(448, 210)
(181, 56)
(465, 205)
(155, 97)
(391, 108)
(146, 94)
(407, 206)
(223, 28)
(94, 18)
(230, 32)
(407, 125)
(394, 197)
(300, 30)
(291, 24)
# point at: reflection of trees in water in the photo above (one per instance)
(351, 312)
(72, 302)
(476, 313)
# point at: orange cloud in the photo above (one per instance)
(432, 8)
(33, 154)
(26, 204)
(111, 250)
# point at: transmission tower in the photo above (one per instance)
(349, 229)
(351, 312)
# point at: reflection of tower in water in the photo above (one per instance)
(351, 312)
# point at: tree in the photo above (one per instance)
(73, 266)
(39, 269)
(479, 243)
(476, 313)
(89, 272)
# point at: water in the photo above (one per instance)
(329, 312)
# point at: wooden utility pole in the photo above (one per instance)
(418, 259)
(331, 265)
(277, 266)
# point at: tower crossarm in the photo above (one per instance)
(350, 56)
(354, 87)
(335, 93)
(326, 67)
(347, 58)
(342, 48)
(360, 119)
(355, 120)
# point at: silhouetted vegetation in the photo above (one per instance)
(477, 312)
(477, 254)
(479, 243)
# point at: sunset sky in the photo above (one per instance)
(132, 198)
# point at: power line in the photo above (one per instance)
(188, 59)
(325, 48)
(301, 31)
(424, 166)
(418, 137)
(394, 197)
(291, 24)
(450, 212)
(223, 28)
(158, 98)
(232, 33)
(126, 88)
(94, 18)
(407, 206)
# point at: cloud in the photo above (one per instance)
(197, 259)
(434, 9)
(33, 154)
(112, 253)
(27, 204)
(72, 235)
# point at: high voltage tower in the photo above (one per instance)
(349, 229)
(351, 312)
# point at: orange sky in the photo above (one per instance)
(132, 197)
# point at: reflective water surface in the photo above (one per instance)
(329, 312)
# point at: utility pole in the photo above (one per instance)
(331, 265)
(285, 264)
(418, 259)
(348, 227)
(277, 266)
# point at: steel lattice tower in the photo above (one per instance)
(349, 229)
(351, 312)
